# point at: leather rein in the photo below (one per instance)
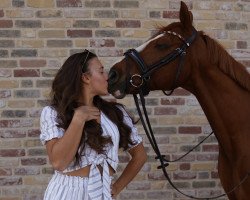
(143, 88)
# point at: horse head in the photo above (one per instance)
(158, 63)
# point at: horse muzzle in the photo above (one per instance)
(116, 88)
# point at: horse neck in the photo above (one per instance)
(219, 96)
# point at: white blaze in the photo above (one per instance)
(140, 48)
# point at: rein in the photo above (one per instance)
(143, 88)
(162, 158)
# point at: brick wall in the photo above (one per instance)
(36, 36)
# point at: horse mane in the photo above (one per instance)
(226, 63)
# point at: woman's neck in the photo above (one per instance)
(86, 99)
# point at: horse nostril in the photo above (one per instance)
(113, 76)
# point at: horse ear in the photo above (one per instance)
(186, 17)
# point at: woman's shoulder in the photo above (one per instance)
(48, 111)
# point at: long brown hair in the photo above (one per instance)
(66, 90)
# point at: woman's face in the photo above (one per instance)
(98, 77)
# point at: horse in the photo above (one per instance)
(180, 56)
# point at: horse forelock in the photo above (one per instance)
(226, 63)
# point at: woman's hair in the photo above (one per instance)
(65, 93)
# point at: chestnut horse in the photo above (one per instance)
(218, 81)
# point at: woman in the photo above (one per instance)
(82, 133)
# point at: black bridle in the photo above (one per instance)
(143, 88)
(146, 71)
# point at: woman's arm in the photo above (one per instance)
(62, 151)
(138, 159)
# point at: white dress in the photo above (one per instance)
(95, 186)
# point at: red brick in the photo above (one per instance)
(10, 33)
(5, 172)
(132, 195)
(26, 73)
(214, 175)
(9, 123)
(79, 33)
(12, 134)
(138, 186)
(69, 3)
(24, 53)
(1, 13)
(162, 194)
(5, 73)
(207, 157)
(5, 93)
(170, 14)
(7, 43)
(10, 181)
(235, 26)
(126, 4)
(27, 171)
(107, 33)
(190, 129)
(128, 23)
(165, 111)
(185, 166)
(12, 152)
(8, 63)
(164, 130)
(34, 133)
(27, 93)
(241, 45)
(37, 152)
(184, 175)
(28, 23)
(210, 148)
(32, 63)
(18, 3)
(97, 4)
(156, 176)
(47, 170)
(154, 14)
(204, 184)
(187, 158)
(172, 101)
(6, 23)
(33, 161)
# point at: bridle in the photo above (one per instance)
(142, 86)
(146, 71)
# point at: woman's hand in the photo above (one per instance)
(86, 113)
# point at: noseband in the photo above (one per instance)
(146, 71)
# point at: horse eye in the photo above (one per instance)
(162, 46)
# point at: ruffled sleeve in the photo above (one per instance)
(134, 133)
(48, 125)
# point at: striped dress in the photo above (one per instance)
(96, 186)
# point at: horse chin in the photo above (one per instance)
(118, 94)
